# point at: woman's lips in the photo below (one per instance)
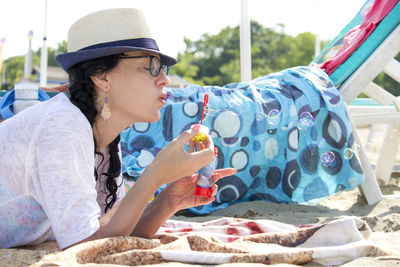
(162, 98)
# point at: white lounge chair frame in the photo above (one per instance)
(361, 81)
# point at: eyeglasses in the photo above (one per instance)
(155, 65)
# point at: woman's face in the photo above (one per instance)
(134, 94)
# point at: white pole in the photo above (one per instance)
(28, 58)
(43, 54)
(245, 43)
(317, 44)
(2, 64)
(3, 75)
(317, 35)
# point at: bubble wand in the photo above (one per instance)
(204, 107)
(204, 180)
(201, 137)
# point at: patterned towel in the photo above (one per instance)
(229, 240)
(287, 134)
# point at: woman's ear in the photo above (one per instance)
(101, 81)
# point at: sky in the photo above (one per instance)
(170, 20)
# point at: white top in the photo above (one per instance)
(47, 183)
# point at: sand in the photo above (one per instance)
(383, 218)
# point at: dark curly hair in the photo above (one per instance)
(82, 95)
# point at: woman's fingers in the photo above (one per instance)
(191, 146)
(214, 190)
(221, 173)
(207, 200)
(177, 161)
(186, 136)
(208, 143)
(218, 174)
(199, 146)
(215, 177)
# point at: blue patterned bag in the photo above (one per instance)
(286, 133)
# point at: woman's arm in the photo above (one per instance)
(176, 196)
(122, 218)
(157, 212)
(170, 163)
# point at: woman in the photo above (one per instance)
(60, 167)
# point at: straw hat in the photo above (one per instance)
(109, 32)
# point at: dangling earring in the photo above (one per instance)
(106, 111)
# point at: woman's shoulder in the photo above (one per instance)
(60, 112)
(61, 107)
(61, 103)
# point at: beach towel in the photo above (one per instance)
(374, 13)
(229, 240)
(287, 134)
(359, 39)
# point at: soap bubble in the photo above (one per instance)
(274, 116)
(328, 158)
(348, 153)
(306, 120)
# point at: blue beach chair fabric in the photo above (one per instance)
(286, 133)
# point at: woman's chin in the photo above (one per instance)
(154, 118)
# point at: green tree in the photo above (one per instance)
(15, 68)
(215, 59)
(52, 53)
(209, 54)
(185, 68)
(269, 49)
(302, 50)
(15, 65)
(387, 82)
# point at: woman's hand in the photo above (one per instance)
(180, 194)
(174, 162)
